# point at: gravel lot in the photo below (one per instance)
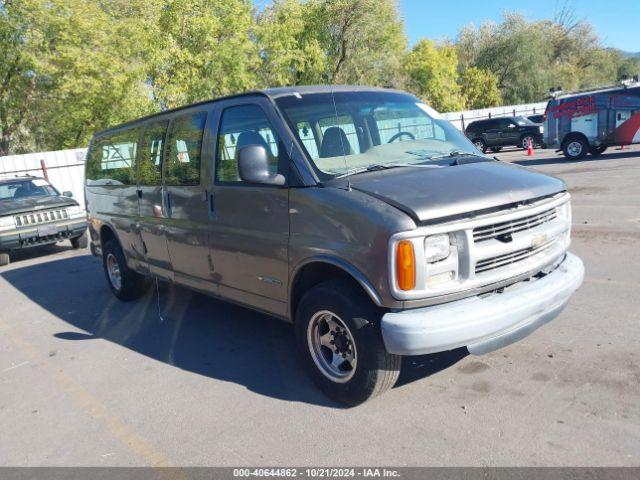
(87, 380)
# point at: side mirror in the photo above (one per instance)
(67, 193)
(253, 166)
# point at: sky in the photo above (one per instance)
(617, 22)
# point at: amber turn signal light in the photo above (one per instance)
(405, 265)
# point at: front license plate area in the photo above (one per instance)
(46, 230)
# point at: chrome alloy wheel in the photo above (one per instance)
(113, 270)
(574, 149)
(332, 346)
(526, 140)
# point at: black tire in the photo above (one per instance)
(597, 151)
(375, 370)
(480, 144)
(132, 285)
(524, 141)
(495, 149)
(80, 242)
(575, 147)
(4, 259)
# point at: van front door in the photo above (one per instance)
(188, 222)
(250, 233)
(151, 210)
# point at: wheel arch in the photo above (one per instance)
(315, 270)
(106, 233)
(571, 135)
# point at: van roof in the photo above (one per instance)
(588, 91)
(272, 93)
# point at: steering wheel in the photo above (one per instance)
(400, 134)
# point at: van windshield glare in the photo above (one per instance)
(347, 131)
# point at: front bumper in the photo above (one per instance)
(483, 323)
(32, 237)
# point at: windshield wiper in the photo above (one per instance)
(455, 154)
(372, 168)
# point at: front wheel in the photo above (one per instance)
(526, 140)
(338, 336)
(80, 242)
(125, 283)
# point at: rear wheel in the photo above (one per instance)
(124, 282)
(4, 259)
(596, 151)
(80, 242)
(575, 148)
(338, 336)
(480, 144)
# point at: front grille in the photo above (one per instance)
(37, 218)
(495, 230)
(511, 257)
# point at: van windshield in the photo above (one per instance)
(343, 132)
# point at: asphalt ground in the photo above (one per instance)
(88, 381)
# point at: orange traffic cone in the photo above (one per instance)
(530, 149)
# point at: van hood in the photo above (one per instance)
(429, 194)
(30, 204)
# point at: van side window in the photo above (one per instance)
(183, 149)
(242, 126)
(112, 159)
(151, 153)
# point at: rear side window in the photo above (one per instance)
(242, 126)
(151, 153)
(112, 159)
(184, 145)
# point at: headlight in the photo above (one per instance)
(7, 223)
(75, 211)
(436, 248)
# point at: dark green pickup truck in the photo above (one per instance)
(34, 213)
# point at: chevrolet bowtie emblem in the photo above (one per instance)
(539, 240)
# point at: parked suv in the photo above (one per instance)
(33, 213)
(495, 133)
(357, 214)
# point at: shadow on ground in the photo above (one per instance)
(40, 251)
(194, 332)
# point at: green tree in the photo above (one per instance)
(479, 88)
(364, 41)
(205, 50)
(290, 52)
(432, 74)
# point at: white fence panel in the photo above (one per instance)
(462, 119)
(63, 168)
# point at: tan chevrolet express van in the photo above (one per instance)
(357, 214)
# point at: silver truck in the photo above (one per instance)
(33, 213)
(357, 214)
